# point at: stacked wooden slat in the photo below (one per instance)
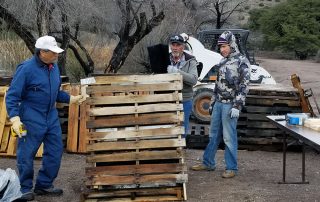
(135, 142)
(73, 121)
(254, 130)
(8, 143)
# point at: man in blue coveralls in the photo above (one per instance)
(30, 103)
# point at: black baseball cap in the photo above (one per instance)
(177, 39)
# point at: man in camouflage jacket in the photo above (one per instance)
(229, 97)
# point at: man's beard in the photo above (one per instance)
(176, 54)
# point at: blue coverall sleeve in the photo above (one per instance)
(15, 92)
(62, 95)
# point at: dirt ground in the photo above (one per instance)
(259, 171)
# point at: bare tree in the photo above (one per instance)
(134, 26)
(221, 11)
(52, 18)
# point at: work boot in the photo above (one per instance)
(50, 192)
(28, 196)
(200, 167)
(228, 174)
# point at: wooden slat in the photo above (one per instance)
(134, 88)
(83, 131)
(129, 120)
(133, 156)
(156, 78)
(3, 111)
(142, 144)
(168, 97)
(5, 139)
(139, 133)
(273, 102)
(136, 169)
(141, 192)
(11, 150)
(73, 122)
(138, 199)
(40, 151)
(148, 108)
(162, 179)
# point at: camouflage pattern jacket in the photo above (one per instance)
(233, 77)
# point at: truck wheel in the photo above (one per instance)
(201, 104)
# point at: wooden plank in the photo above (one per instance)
(3, 111)
(162, 179)
(40, 151)
(138, 133)
(5, 139)
(272, 96)
(73, 123)
(273, 102)
(11, 150)
(83, 131)
(130, 120)
(134, 88)
(136, 169)
(138, 199)
(134, 156)
(271, 87)
(272, 110)
(142, 144)
(155, 78)
(148, 108)
(167, 97)
(140, 192)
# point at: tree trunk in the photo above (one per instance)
(127, 42)
(21, 30)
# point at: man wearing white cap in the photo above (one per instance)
(30, 103)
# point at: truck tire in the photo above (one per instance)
(201, 104)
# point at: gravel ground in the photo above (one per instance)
(259, 171)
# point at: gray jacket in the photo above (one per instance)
(188, 70)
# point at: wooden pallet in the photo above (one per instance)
(135, 139)
(262, 100)
(254, 130)
(8, 143)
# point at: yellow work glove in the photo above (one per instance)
(77, 99)
(16, 125)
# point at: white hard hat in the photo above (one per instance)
(48, 43)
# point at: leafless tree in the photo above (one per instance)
(134, 26)
(52, 18)
(220, 11)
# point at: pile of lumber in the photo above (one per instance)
(135, 139)
(254, 130)
(73, 122)
(8, 143)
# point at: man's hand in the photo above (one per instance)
(234, 113)
(78, 99)
(16, 125)
(172, 69)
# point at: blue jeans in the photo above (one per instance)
(187, 108)
(222, 126)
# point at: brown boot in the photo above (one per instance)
(228, 174)
(200, 167)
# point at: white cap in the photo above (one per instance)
(48, 43)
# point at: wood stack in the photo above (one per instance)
(135, 139)
(254, 130)
(8, 143)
